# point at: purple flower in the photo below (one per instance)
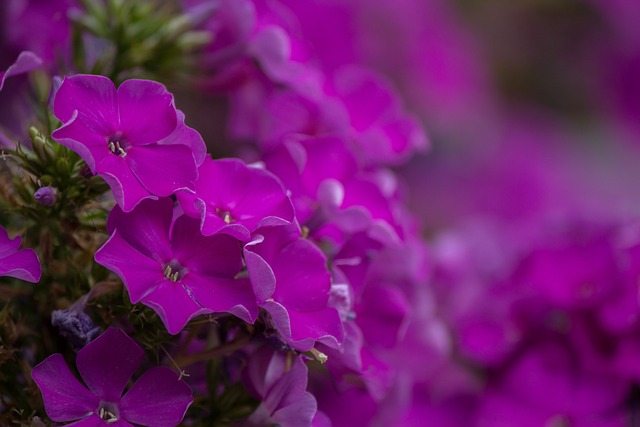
(291, 282)
(75, 325)
(26, 62)
(158, 398)
(167, 264)
(385, 134)
(21, 264)
(46, 196)
(281, 386)
(132, 137)
(549, 387)
(235, 198)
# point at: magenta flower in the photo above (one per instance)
(158, 398)
(235, 198)
(291, 282)
(21, 264)
(133, 137)
(384, 133)
(25, 62)
(168, 265)
(281, 387)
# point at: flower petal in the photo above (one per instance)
(174, 305)
(80, 137)
(139, 273)
(219, 255)
(23, 265)
(147, 112)
(94, 97)
(146, 229)
(159, 398)
(26, 62)
(65, 398)
(7, 245)
(302, 279)
(107, 363)
(185, 135)
(96, 421)
(233, 296)
(163, 169)
(321, 325)
(126, 188)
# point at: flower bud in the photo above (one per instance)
(46, 196)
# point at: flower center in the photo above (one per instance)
(117, 144)
(174, 271)
(225, 215)
(108, 411)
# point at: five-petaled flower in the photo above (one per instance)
(158, 398)
(167, 264)
(133, 137)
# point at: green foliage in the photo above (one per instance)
(141, 39)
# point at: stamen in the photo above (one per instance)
(114, 145)
(225, 215)
(172, 274)
(106, 415)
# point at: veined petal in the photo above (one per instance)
(322, 325)
(280, 318)
(147, 112)
(139, 273)
(175, 306)
(302, 279)
(65, 398)
(159, 398)
(163, 169)
(146, 228)
(107, 363)
(94, 97)
(233, 296)
(126, 188)
(219, 255)
(187, 136)
(79, 136)
(262, 278)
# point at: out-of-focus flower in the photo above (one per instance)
(168, 265)
(75, 325)
(383, 132)
(52, 40)
(548, 387)
(26, 62)
(126, 136)
(157, 399)
(235, 199)
(281, 386)
(21, 264)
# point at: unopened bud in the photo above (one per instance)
(46, 196)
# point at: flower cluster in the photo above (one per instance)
(255, 265)
(230, 189)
